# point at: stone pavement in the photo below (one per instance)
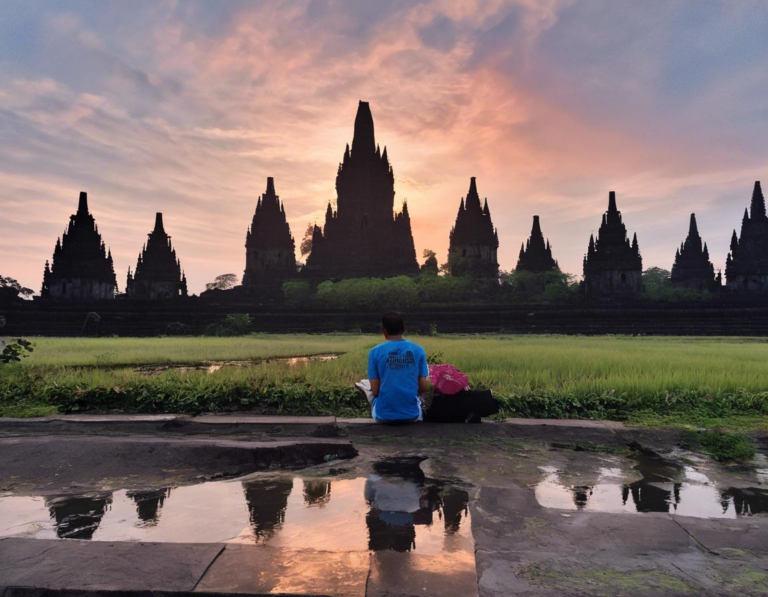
(524, 549)
(74, 565)
(521, 548)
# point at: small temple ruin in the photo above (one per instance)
(613, 266)
(535, 253)
(269, 246)
(81, 268)
(363, 236)
(746, 267)
(158, 273)
(692, 267)
(474, 242)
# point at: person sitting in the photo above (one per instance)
(398, 373)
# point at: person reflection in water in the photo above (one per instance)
(399, 501)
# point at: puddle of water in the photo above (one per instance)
(394, 508)
(664, 487)
(213, 366)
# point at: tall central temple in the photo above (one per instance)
(363, 237)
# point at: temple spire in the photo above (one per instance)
(473, 197)
(757, 208)
(363, 140)
(270, 192)
(536, 228)
(693, 229)
(82, 205)
(158, 224)
(612, 202)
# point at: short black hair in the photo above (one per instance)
(393, 323)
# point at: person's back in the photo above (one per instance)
(398, 373)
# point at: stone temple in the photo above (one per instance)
(269, 247)
(692, 267)
(612, 265)
(474, 242)
(536, 254)
(363, 236)
(81, 268)
(746, 267)
(158, 272)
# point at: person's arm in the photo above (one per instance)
(424, 383)
(373, 375)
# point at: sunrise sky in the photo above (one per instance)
(186, 107)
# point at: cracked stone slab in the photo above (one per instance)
(266, 570)
(746, 534)
(87, 565)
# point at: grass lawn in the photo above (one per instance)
(648, 380)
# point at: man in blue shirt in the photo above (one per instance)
(398, 372)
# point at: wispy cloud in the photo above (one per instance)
(186, 107)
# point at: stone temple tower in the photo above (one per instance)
(692, 267)
(474, 243)
(270, 255)
(81, 268)
(536, 254)
(158, 272)
(746, 268)
(613, 266)
(363, 236)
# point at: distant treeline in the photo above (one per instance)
(517, 287)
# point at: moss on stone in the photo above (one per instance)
(606, 582)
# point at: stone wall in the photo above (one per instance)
(147, 318)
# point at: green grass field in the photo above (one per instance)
(699, 381)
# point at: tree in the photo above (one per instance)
(222, 282)
(7, 282)
(306, 243)
(657, 286)
(430, 262)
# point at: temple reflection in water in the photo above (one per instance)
(394, 508)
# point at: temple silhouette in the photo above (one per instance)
(158, 273)
(612, 266)
(474, 242)
(692, 267)
(535, 254)
(746, 267)
(81, 268)
(269, 247)
(363, 236)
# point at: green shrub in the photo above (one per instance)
(235, 324)
(724, 446)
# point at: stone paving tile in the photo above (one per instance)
(525, 549)
(105, 566)
(267, 570)
(450, 574)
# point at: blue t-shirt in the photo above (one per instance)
(398, 364)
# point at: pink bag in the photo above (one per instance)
(447, 379)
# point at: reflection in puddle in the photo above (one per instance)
(213, 366)
(664, 487)
(394, 508)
